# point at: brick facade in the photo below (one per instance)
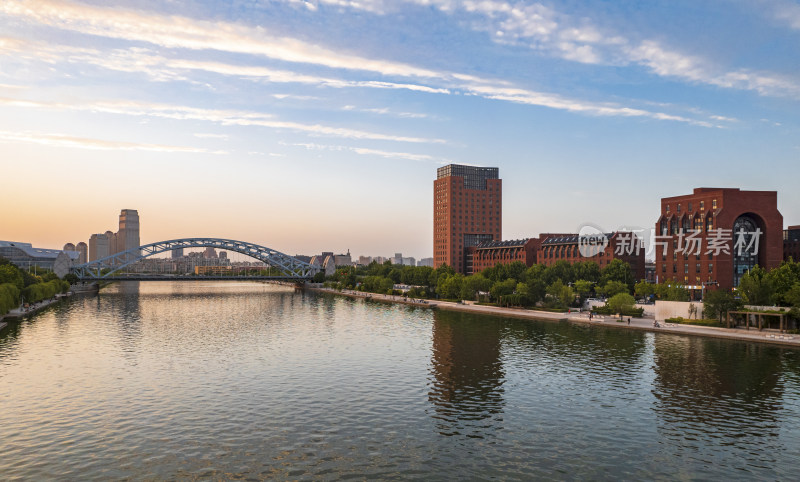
(467, 211)
(702, 214)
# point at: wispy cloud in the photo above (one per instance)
(545, 29)
(181, 32)
(374, 152)
(64, 140)
(222, 117)
(202, 135)
(788, 12)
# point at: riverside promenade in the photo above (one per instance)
(17, 313)
(642, 324)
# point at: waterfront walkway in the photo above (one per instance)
(642, 324)
(17, 313)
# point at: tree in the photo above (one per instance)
(643, 289)
(586, 270)
(612, 288)
(783, 278)
(560, 294)
(583, 288)
(618, 270)
(757, 288)
(718, 303)
(792, 296)
(561, 270)
(671, 291)
(449, 287)
(516, 270)
(621, 303)
(11, 274)
(472, 285)
(503, 288)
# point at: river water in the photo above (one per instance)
(226, 380)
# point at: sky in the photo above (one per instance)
(310, 126)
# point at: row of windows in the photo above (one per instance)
(698, 268)
(702, 206)
(688, 226)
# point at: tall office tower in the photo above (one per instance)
(177, 253)
(128, 235)
(467, 211)
(112, 243)
(83, 249)
(98, 247)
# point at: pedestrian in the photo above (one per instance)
(629, 321)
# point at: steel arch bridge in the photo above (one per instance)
(292, 269)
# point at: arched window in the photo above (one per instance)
(664, 231)
(687, 224)
(698, 223)
(709, 222)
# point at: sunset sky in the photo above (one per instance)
(318, 125)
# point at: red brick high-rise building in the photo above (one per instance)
(713, 236)
(467, 211)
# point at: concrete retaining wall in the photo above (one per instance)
(674, 309)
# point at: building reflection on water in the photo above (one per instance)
(707, 389)
(466, 375)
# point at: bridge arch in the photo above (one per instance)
(290, 267)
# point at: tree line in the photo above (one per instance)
(559, 286)
(17, 283)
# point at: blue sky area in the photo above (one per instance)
(318, 125)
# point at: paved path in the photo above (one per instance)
(20, 312)
(642, 324)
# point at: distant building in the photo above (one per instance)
(467, 211)
(650, 271)
(68, 247)
(26, 256)
(791, 244)
(343, 259)
(83, 251)
(425, 262)
(177, 253)
(112, 243)
(98, 247)
(128, 230)
(223, 255)
(210, 253)
(213, 270)
(364, 260)
(404, 261)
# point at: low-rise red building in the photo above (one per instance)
(490, 253)
(622, 245)
(714, 235)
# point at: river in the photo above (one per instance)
(222, 380)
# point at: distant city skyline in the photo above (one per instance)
(319, 125)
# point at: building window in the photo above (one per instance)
(698, 268)
(686, 267)
(714, 204)
(702, 205)
(710, 268)
(689, 207)
(667, 207)
(679, 208)
(709, 222)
